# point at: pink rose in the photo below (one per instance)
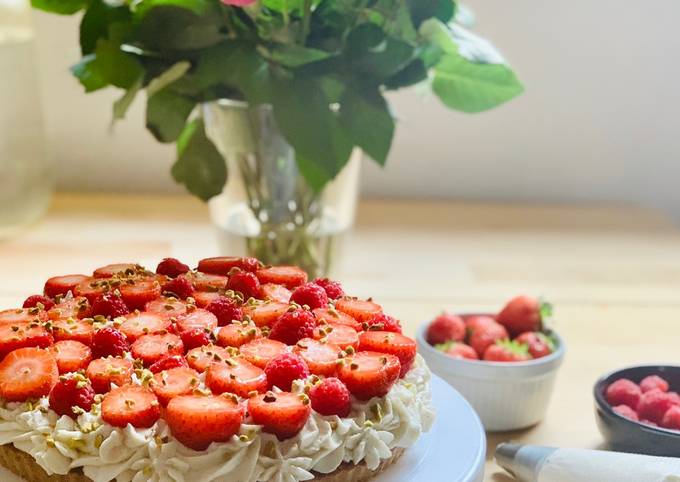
(239, 3)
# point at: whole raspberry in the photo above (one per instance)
(382, 322)
(283, 369)
(171, 267)
(627, 412)
(671, 419)
(109, 341)
(250, 264)
(33, 301)
(71, 392)
(245, 283)
(332, 288)
(180, 287)
(310, 294)
(293, 326)
(226, 310)
(654, 405)
(109, 305)
(195, 338)
(623, 392)
(653, 381)
(168, 362)
(444, 328)
(331, 397)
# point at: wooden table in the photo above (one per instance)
(613, 274)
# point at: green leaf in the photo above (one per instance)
(167, 28)
(107, 66)
(199, 7)
(439, 35)
(422, 10)
(471, 87)
(294, 55)
(167, 113)
(413, 73)
(372, 55)
(200, 166)
(366, 118)
(235, 64)
(88, 75)
(394, 18)
(303, 114)
(62, 7)
(121, 106)
(97, 22)
(171, 75)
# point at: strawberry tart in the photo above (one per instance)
(234, 372)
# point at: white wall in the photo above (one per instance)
(598, 121)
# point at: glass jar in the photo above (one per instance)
(267, 209)
(25, 183)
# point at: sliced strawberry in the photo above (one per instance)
(207, 282)
(223, 264)
(369, 374)
(92, 289)
(236, 376)
(331, 315)
(277, 293)
(138, 324)
(22, 315)
(260, 351)
(167, 307)
(60, 285)
(342, 335)
(237, 334)
(204, 298)
(78, 307)
(103, 372)
(321, 358)
(265, 314)
(283, 414)
(131, 404)
(74, 329)
(172, 383)
(138, 294)
(200, 358)
(71, 355)
(127, 269)
(198, 420)
(27, 373)
(151, 348)
(290, 276)
(198, 318)
(360, 310)
(392, 343)
(22, 335)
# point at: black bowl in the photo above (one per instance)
(627, 435)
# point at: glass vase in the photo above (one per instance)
(267, 209)
(25, 182)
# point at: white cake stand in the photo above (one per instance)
(453, 451)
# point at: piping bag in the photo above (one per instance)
(533, 463)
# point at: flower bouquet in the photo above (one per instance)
(280, 93)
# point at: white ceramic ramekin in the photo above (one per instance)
(506, 396)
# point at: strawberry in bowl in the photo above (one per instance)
(504, 363)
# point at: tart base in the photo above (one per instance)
(25, 466)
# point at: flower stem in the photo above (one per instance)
(306, 21)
